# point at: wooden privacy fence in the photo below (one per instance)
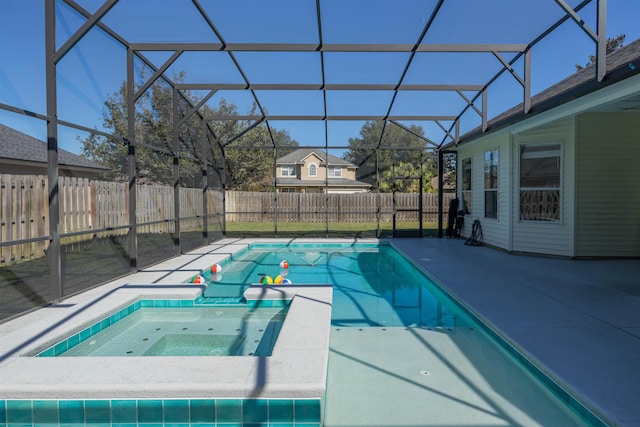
(99, 205)
(84, 206)
(313, 207)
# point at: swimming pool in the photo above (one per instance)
(402, 352)
(398, 350)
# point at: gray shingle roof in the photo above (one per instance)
(16, 145)
(299, 155)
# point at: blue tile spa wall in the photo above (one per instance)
(148, 413)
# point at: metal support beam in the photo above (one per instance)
(84, 29)
(177, 241)
(440, 192)
(329, 86)
(527, 82)
(470, 103)
(131, 135)
(159, 72)
(53, 252)
(485, 96)
(457, 126)
(422, 137)
(599, 36)
(601, 49)
(509, 68)
(195, 109)
(204, 184)
(574, 15)
(330, 47)
(244, 131)
(446, 131)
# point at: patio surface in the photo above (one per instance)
(578, 319)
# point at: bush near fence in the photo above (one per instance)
(87, 205)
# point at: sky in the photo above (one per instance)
(96, 67)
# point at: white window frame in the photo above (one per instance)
(557, 146)
(287, 190)
(288, 170)
(331, 171)
(488, 155)
(315, 169)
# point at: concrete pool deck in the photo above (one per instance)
(578, 319)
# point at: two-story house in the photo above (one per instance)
(309, 170)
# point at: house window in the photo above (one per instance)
(289, 170)
(334, 171)
(466, 185)
(287, 190)
(313, 170)
(491, 184)
(540, 167)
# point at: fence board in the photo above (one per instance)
(313, 207)
(88, 205)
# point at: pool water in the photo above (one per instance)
(403, 353)
(186, 331)
(373, 284)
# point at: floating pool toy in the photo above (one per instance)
(216, 268)
(286, 281)
(198, 279)
(278, 280)
(284, 263)
(266, 280)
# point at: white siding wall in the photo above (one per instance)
(608, 185)
(553, 238)
(495, 231)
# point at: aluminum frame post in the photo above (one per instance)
(440, 192)
(53, 252)
(205, 181)
(131, 157)
(601, 50)
(177, 239)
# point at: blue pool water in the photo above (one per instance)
(373, 284)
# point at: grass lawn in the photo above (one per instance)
(319, 229)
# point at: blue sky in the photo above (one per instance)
(95, 68)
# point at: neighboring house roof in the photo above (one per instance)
(15, 145)
(621, 64)
(300, 154)
(331, 182)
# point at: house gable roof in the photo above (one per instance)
(15, 145)
(299, 155)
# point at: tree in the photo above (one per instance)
(245, 169)
(153, 129)
(399, 153)
(251, 169)
(613, 44)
